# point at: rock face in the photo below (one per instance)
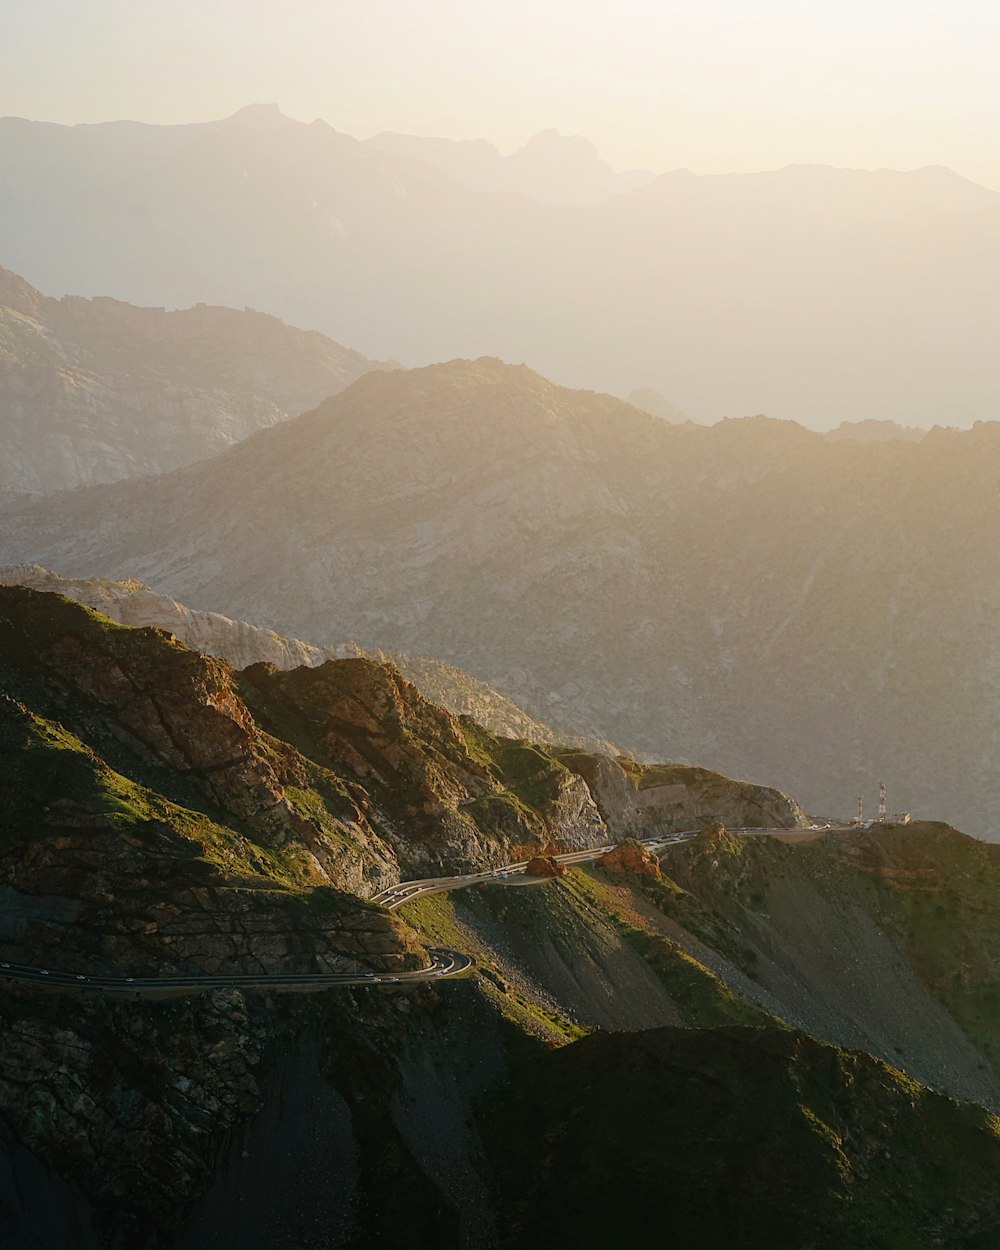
(631, 856)
(544, 866)
(98, 390)
(637, 799)
(749, 596)
(441, 791)
(133, 603)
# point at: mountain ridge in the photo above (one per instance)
(704, 278)
(752, 595)
(96, 389)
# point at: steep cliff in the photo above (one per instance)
(242, 644)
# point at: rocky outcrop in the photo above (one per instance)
(640, 799)
(242, 644)
(343, 772)
(444, 792)
(544, 866)
(631, 856)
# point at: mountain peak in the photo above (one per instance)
(550, 143)
(259, 117)
(18, 294)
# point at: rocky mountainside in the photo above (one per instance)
(341, 775)
(94, 390)
(883, 942)
(693, 285)
(159, 811)
(749, 596)
(133, 603)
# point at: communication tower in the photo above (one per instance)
(881, 802)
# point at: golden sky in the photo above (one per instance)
(711, 85)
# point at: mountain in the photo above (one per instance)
(742, 1138)
(161, 813)
(876, 431)
(809, 293)
(242, 644)
(341, 775)
(657, 405)
(550, 168)
(748, 1039)
(94, 390)
(749, 596)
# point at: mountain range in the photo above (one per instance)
(810, 293)
(93, 390)
(751, 596)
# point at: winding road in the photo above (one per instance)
(444, 962)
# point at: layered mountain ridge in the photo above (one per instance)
(95, 390)
(693, 285)
(749, 596)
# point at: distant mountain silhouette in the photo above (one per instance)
(808, 292)
(876, 432)
(98, 390)
(651, 401)
(551, 168)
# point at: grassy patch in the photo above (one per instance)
(435, 919)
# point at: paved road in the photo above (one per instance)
(444, 962)
(406, 891)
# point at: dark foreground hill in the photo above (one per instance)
(160, 812)
(95, 390)
(737, 1139)
(750, 596)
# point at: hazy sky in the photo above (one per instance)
(713, 85)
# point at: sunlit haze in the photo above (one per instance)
(714, 87)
